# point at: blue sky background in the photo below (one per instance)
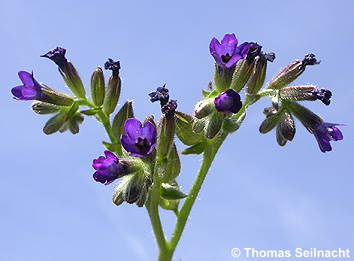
(257, 194)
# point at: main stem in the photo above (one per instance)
(208, 157)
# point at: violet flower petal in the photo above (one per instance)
(132, 128)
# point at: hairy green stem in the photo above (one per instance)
(153, 210)
(208, 157)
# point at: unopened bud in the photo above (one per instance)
(213, 125)
(74, 123)
(112, 94)
(73, 80)
(280, 139)
(287, 126)
(173, 166)
(306, 93)
(241, 75)
(97, 87)
(256, 81)
(198, 125)
(54, 124)
(44, 108)
(166, 132)
(123, 114)
(204, 108)
(232, 124)
(133, 189)
(269, 123)
(184, 130)
(291, 72)
(55, 97)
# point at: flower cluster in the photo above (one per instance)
(143, 156)
(135, 146)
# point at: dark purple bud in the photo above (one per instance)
(57, 55)
(228, 102)
(310, 59)
(161, 94)
(140, 140)
(326, 132)
(113, 66)
(30, 90)
(256, 50)
(108, 168)
(227, 54)
(306, 93)
(323, 95)
(170, 108)
(269, 56)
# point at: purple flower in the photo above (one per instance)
(107, 168)
(326, 132)
(30, 90)
(227, 54)
(228, 102)
(57, 55)
(140, 140)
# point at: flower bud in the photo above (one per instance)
(291, 72)
(184, 131)
(256, 81)
(213, 125)
(74, 123)
(55, 97)
(305, 93)
(169, 204)
(203, 108)
(67, 71)
(44, 108)
(228, 102)
(132, 189)
(287, 126)
(123, 114)
(280, 139)
(165, 135)
(241, 75)
(73, 80)
(112, 94)
(173, 166)
(97, 87)
(55, 123)
(198, 125)
(269, 123)
(232, 124)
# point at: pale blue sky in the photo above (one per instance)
(257, 194)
